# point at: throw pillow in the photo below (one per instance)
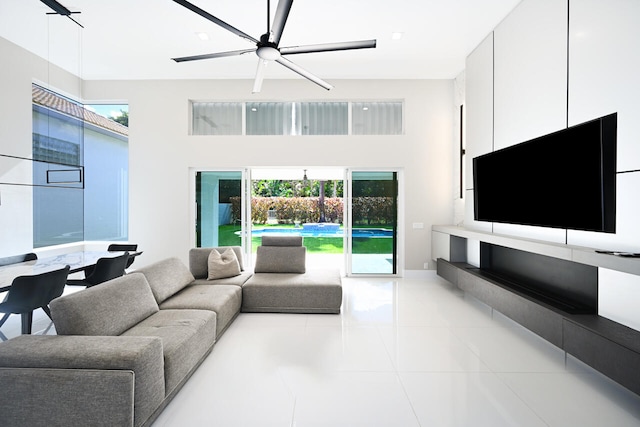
(223, 264)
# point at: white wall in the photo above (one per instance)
(558, 63)
(162, 151)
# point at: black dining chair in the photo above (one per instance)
(105, 269)
(28, 293)
(15, 259)
(129, 247)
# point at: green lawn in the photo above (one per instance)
(326, 245)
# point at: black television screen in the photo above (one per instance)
(566, 179)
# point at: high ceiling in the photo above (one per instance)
(125, 39)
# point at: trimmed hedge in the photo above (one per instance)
(366, 210)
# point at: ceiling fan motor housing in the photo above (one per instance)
(267, 50)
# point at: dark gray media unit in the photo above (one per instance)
(553, 297)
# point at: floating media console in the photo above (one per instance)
(566, 285)
(542, 287)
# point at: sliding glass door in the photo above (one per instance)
(372, 223)
(371, 231)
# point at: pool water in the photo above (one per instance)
(320, 232)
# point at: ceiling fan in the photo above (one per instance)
(268, 46)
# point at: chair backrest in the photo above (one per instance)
(15, 259)
(107, 269)
(30, 292)
(131, 247)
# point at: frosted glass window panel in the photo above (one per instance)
(269, 118)
(217, 118)
(57, 215)
(322, 118)
(376, 118)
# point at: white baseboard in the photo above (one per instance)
(418, 274)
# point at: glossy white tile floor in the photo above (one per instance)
(402, 353)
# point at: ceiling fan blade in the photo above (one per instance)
(213, 55)
(282, 13)
(328, 47)
(210, 17)
(257, 83)
(304, 73)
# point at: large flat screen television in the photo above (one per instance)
(566, 179)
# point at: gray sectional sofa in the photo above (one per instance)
(126, 347)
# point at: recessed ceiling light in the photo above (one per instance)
(365, 108)
(396, 35)
(254, 109)
(202, 36)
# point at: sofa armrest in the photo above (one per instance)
(56, 397)
(34, 357)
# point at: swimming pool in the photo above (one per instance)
(319, 232)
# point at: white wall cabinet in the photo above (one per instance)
(531, 72)
(604, 59)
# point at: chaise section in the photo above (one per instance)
(282, 284)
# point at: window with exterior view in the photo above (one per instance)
(80, 170)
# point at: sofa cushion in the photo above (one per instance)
(281, 240)
(166, 277)
(222, 264)
(198, 260)
(187, 336)
(280, 259)
(225, 300)
(106, 309)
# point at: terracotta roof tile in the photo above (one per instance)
(55, 102)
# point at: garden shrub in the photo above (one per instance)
(366, 210)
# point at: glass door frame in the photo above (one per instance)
(246, 225)
(245, 220)
(348, 222)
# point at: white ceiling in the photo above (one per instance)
(125, 39)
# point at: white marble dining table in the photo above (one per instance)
(77, 261)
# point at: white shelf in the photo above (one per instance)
(579, 254)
